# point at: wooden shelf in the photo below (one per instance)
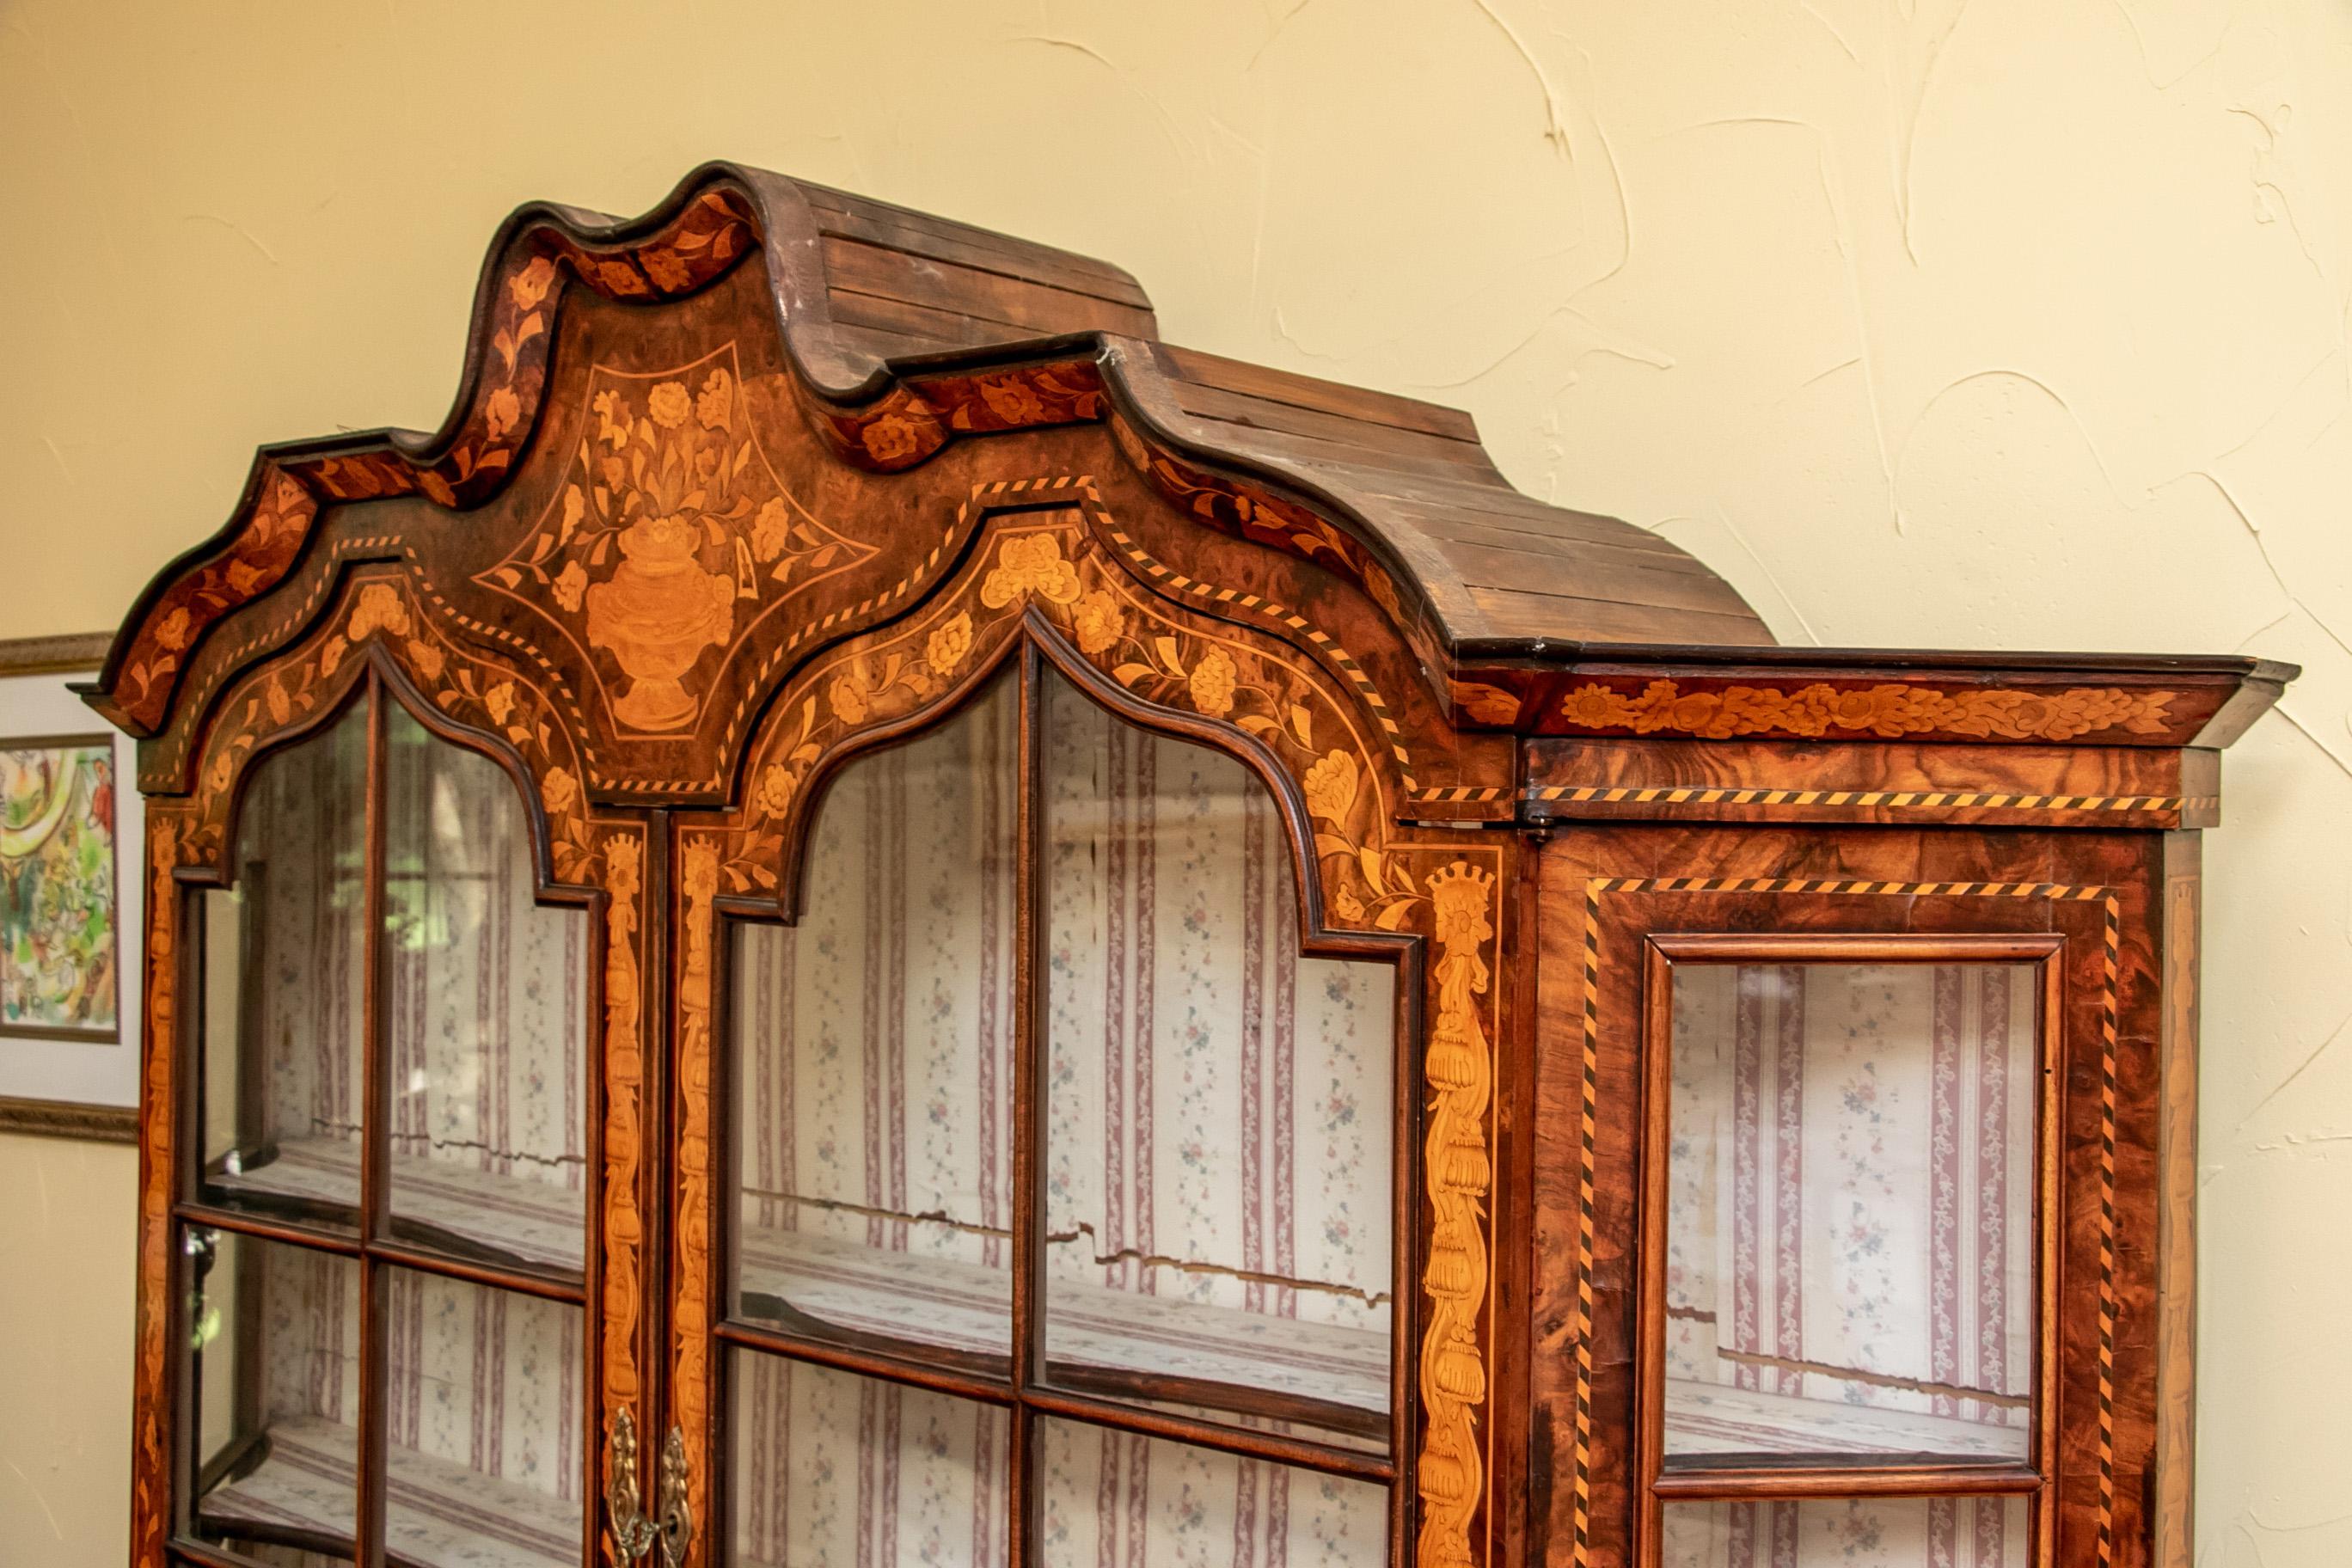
(439, 1514)
(1116, 1344)
(1714, 1422)
(447, 1206)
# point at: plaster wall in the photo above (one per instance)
(1997, 323)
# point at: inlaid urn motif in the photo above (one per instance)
(658, 612)
(668, 534)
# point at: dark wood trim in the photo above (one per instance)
(1776, 1481)
(2053, 1060)
(424, 1260)
(1864, 947)
(886, 1367)
(241, 1223)
(1024, 1511)
(1351, 1464)
(2174, 1504)
(70, 1119)
(375, 1157)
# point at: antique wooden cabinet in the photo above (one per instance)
(866, 917)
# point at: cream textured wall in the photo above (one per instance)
(2009, 323)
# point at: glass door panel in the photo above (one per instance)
(483, 1417)
(274, 1335)
(826, 1468)
(1849, 1211)
(477, 1411)
(1120, 1497)
(873, 1057)
(285, 955)
(1847, 1532)
(485, 1018)
(1219, 1121)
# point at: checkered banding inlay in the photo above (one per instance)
(1694, 795)
(1290, 620)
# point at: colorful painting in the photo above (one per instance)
(58, 974)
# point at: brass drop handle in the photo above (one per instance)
(635, 1534)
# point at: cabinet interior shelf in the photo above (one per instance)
(1711, 1425)
(515, 1221)
(439, 1514)
(1116, 1344)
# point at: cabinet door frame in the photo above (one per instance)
(1633, 928)
(705, 1336)
(596, 861)
(1662, 953)
(1448, 946)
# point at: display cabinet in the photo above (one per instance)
(867, 918)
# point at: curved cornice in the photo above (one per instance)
(904, 333)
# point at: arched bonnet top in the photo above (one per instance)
(902, 334)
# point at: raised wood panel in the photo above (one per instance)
(1277, 417)
(857, 267)
(1235, 375)
(921, 234)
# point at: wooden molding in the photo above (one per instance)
(66, 654)
(69, 1119)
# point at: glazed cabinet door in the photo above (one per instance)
(1052, 1184)
(1853, 1238)
(388, 1206)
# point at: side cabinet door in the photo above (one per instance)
(1846, 1264)
(409, 1159)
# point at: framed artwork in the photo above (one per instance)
(70, 891)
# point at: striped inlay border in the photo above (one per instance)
(2111, 937)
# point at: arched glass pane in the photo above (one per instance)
(486, 1035)
(873, 1044)
(285, 959)
(1220, 1119)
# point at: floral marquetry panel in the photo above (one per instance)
(673, 535)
